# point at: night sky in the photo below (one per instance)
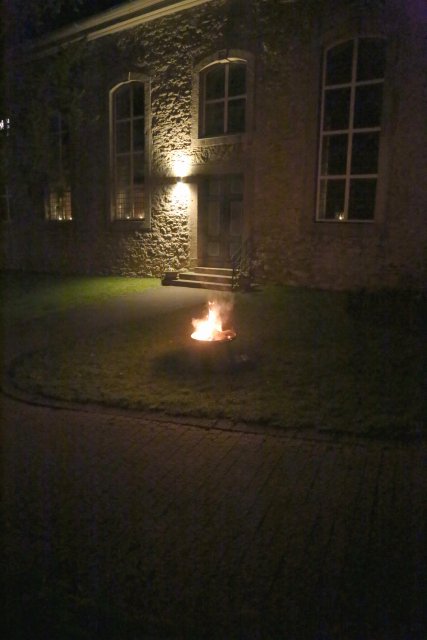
(28, 19)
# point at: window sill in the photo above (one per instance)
(344, 222)
(341, 229)
(232, 138)
(59, 223)
(130, 225)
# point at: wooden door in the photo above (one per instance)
(220, 220)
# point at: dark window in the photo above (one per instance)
(339, 62)
(352, 97)
(128, 151)
(223, 99)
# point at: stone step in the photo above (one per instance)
(201, 277)
(207, 277)
(219, 271)
(200, 284)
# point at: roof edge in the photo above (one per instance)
(126, 16)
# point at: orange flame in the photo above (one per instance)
(208, 328)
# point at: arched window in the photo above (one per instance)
(352, 98)
(128, 151)
(223, 98)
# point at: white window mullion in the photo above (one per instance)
(60, 149)
(205, 102)
(131, 154)
(350, 128)
(322, 135)
(226, 79)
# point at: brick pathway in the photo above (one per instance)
(121, 527)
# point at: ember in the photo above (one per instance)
(210, 329)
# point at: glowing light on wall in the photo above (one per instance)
(180, 163)
(181, 196)
(181, 168)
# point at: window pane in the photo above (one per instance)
(368, 105)
(214, 119)
(337, 109)
(138, 134)
(138, 168)
(364, 157)
(123, 170)
(339, 63)
(332, 194)
(215, 82)
(236, 116)
(334, 155)
(122, 97)
(362, 199)
(237, 79)
(122, 137)
(371, 59)
(123, 202)
(138, 99)
(58, 205)
(138, 202)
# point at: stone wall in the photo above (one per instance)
(278, 156)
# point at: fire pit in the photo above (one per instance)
(218, 336)
(209, 332)
(210, 329)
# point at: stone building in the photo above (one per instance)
(160, 135)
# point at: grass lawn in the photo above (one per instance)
(31, 296)
(302, 359)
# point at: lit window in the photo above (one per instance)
(223, 99)
(58, 192)
(128, 151)
(58, 204)
(352, 97)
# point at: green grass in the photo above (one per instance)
(302, 359)
(32, 296)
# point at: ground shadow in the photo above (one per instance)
(198, 358)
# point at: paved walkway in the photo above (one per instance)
(120, 526)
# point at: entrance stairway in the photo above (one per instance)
(220, 279)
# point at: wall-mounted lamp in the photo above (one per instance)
(181, 192)
(180, 164)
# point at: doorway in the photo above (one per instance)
(220, 220)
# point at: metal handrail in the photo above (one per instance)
(241, 262)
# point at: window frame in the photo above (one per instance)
(58, 194)
(198, 140)
(224, 100)
(349, 131)
(5, 195)
(58, 204)
(134, 221)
